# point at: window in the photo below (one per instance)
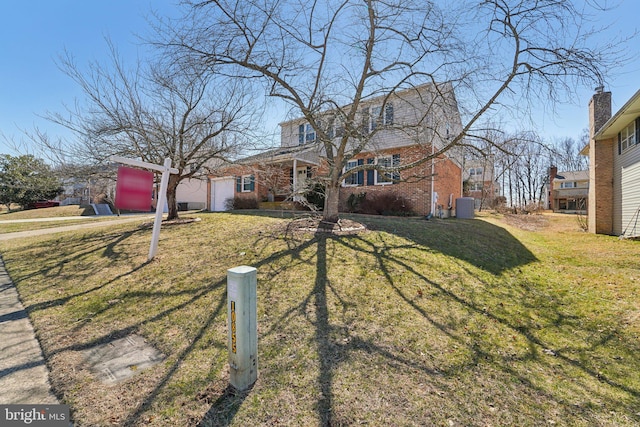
(245, 184)
(374, 117)
(627, 137)
(356, 178)
(387, 162)
(335, 128)
(476, 186)
(306, 134)
(569, 184)
(475, 171)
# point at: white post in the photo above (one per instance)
(242, 325)
(295, 180)
(162, 195)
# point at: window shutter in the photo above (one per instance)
(370, 173)
(308, 171)
(395, 162)
(638, 130)
(360, 173)
(301, 134)
(365, 120)
(238, 184)
(388, 114)
(291, 176)
(619, 143)
(252, 183)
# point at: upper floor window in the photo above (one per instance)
(627, 137)
(569, 184)
(375, 117)
(306, 134)
(475, 171)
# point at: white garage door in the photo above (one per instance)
(221, 190)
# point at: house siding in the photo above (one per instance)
(409, 109)
(626, 182)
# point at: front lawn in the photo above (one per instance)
(444, 322)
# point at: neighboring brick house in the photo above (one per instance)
(479, 181)
(614, 166)
(285, 173)
(568, 191)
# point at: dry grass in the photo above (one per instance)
(58, 211)
(446, 322)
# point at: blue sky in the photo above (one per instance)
(34, 33)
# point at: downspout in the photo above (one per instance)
(433, 172)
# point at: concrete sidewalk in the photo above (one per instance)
(24, 378)
(61, 229)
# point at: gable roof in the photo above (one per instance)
(621, 119)
(572, 176)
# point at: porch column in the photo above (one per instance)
(294, 188)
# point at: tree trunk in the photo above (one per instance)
(331, 201)
(172, 201)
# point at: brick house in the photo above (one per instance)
(479, 181)
(568, 192)
(614, 166)
(404, 135)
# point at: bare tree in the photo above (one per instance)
(322, 56)
(565, 153)
(161, 110)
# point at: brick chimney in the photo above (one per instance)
(599, 110)
(600, 209)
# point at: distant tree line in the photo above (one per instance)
(521, 163)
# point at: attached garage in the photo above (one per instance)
(222, 189)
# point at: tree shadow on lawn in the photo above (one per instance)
(480, 243)
(477, 251)
(494, 250)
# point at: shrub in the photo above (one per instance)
(315, 196)
(386, 204)
(241, 203)
(354, 202)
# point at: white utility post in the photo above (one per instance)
(242, 334)
(166, 170)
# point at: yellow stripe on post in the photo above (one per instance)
(242, 325)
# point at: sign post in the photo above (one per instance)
(242, 326)
(166, 170)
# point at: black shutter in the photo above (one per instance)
(300, 134)
(252, 183)
(365, 121)
(308, 171)
(388, 114)
(238, 184)
(360, 173)
(638, 130)
(619, 143)
(370, 173)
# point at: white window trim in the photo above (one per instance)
(308, 130)
(346, 170)
(629, 140)
(245, 180)
(377, 172)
